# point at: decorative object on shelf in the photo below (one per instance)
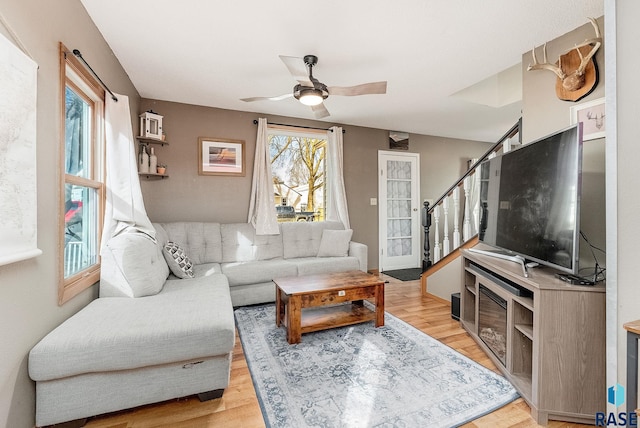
(162, 168)
(144, 161)
(151, 125)
(592, 116)
(576, 70)
(219, 156)
(398, 140)
(153, 161)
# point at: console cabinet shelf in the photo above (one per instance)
(545, 335)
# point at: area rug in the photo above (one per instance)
(362, 376)
(405, 274)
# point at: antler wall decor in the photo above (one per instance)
(576, 70)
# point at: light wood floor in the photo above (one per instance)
(239, 406)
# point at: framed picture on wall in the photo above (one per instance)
(218, 156)
(592, 116)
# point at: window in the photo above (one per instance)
(298, 168)
(81, 172)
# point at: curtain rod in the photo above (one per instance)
(77, 53)
(255, 122)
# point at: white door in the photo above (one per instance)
(399, 210)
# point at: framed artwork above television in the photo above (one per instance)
(592, 116)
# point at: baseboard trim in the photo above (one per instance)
(438, 298)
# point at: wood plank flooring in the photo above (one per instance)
(239, 406)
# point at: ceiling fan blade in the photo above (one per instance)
(278, 98)
(298, 69)
(320, 111)
(364, 89)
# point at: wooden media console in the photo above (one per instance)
(553, 335)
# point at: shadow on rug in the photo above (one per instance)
(362, 376)
(405, 274)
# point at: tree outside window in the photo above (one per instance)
(298, 168)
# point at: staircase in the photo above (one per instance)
(452, 222)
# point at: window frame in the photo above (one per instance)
(77, 78)
(304, 132)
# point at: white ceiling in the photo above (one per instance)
(212, 53)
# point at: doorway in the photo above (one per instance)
(398, 210)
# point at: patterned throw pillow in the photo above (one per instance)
(178, 261)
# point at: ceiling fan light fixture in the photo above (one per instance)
(309, 96)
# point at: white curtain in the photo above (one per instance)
(262, 210)
(124, 209)
(336, 195)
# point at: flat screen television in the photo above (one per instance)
(530, 200)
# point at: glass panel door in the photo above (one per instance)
(399, 200)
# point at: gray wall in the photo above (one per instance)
(185, 195)
(28, 289)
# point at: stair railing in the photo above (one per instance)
(468, 222)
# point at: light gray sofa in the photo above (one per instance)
(151, 336)
(251, 261)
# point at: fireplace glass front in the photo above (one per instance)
(492, 322)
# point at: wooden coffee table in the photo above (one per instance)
(320, 297)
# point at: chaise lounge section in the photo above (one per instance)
(152, 336)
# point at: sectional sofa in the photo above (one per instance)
(163, 325)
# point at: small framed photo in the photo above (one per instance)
(592, 116)
(218, 156)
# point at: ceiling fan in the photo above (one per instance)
(310, 91)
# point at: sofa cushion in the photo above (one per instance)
(302, 239)
(241, 244)
(132, 266)
(177, 260)
(335, 243)
(120, 334)
(242, 273)
(318, 265)
(206, 269)
(201, 241)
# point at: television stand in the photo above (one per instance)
(548, 340)
(500, 255)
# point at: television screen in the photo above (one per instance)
(530, 200)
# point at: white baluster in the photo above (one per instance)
(446, 246)
(456, 217)
(436, 234)
(476, 206)
(466, 222)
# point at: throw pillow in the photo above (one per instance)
(178, 261)
(335, 243)
(132, 266)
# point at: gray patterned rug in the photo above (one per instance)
(362, 376)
